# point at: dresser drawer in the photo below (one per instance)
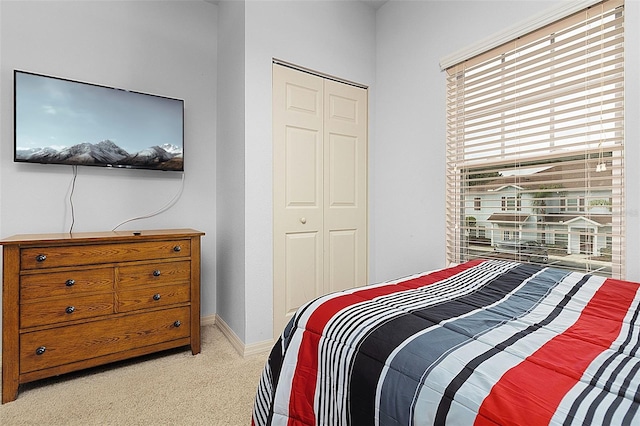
(50, 348)
(53, 311)
(153, 274)
(51, 284)
(72, 255)
(149, 297)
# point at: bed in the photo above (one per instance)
(485, 342)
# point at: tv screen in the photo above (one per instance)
(60, 121)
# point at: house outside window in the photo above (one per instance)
(535, 144)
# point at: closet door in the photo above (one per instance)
(297, 190)
(320, 189)
(345, 186)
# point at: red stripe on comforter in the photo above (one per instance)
(568, 353)
(306, 374)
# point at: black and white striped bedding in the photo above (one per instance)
(486, 342)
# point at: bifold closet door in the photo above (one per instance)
(320, 189)
(345, 186)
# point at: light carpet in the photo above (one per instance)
(215, 387)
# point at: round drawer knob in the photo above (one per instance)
(41, 350)
(156, 273)
(70, 309)
(41, 258)
(177, 323)
(156, 296)
(177, 248)
(70, 283)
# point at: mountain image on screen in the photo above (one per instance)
(165, 157)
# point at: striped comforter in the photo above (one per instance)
(485, 342)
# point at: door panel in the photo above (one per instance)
(343, 170)
(343, 108)
(297, 191)
(303, 161)
(306, 100)
(345, 186)
(343, 258)
(303, 277)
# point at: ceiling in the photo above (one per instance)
(372, 3)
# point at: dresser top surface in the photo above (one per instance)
(107, 236)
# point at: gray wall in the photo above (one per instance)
(231, 300)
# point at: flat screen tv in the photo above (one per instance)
(61, 121)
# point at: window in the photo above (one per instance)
(535, 130)
(511, 203)
(477, 203)
(573, 204)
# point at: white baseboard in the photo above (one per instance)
(238, 345)
(208, 320)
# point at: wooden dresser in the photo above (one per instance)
(72, 301)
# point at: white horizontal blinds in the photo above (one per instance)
(535, 144)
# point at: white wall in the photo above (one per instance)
(408, 169)
(165, 48)
(230, 158)
(333, 37)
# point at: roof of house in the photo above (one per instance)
(600, 219)
(508, 217)
(573, 175)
